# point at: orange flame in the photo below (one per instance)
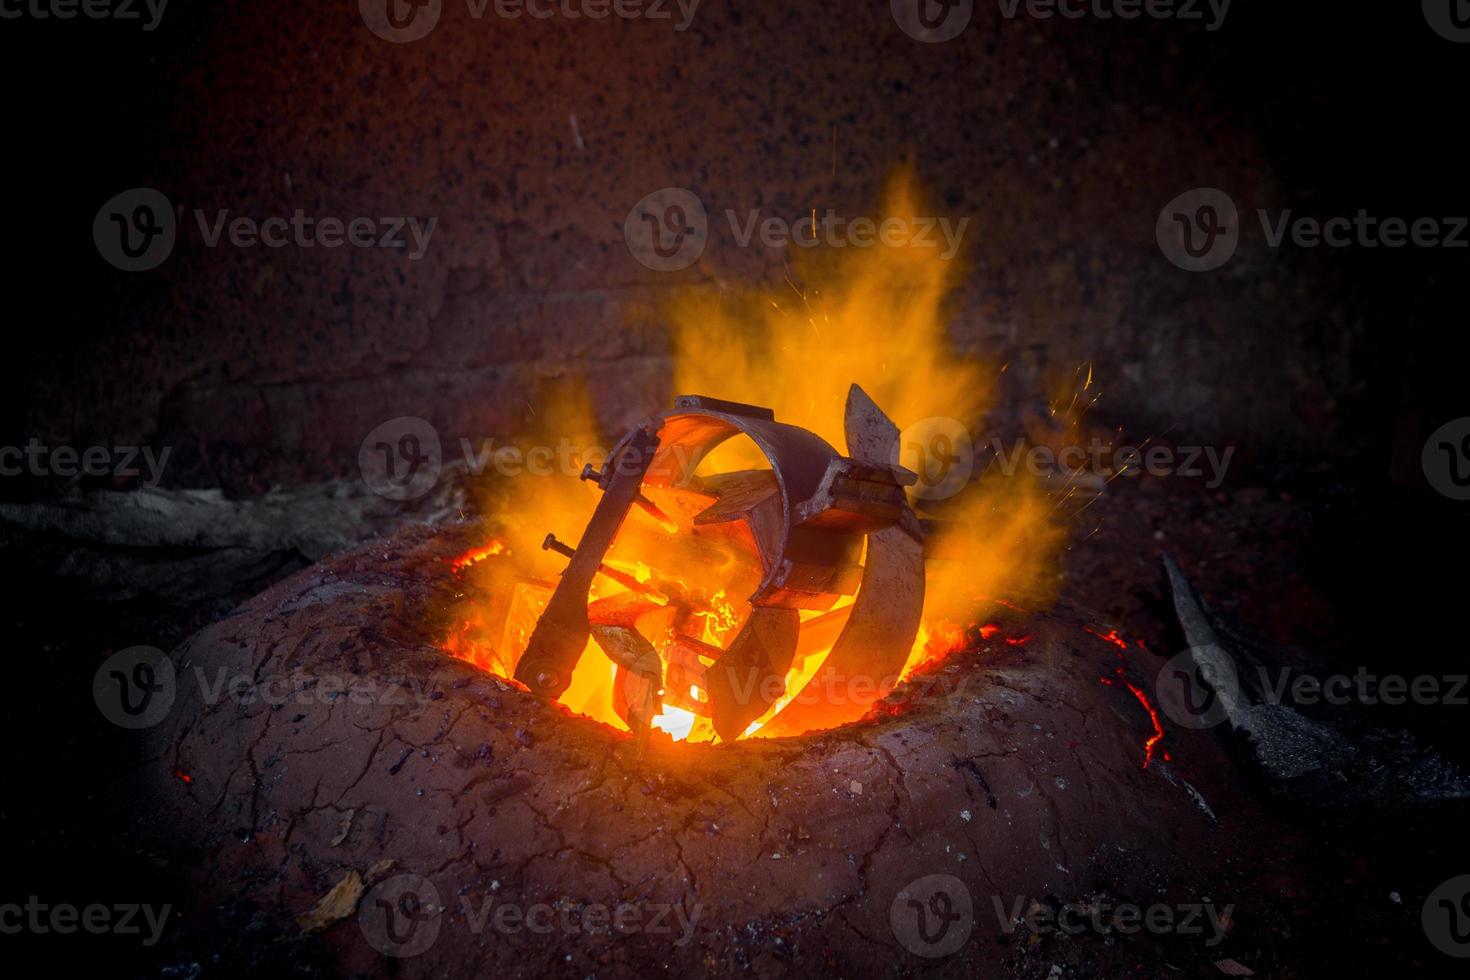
(874, 316)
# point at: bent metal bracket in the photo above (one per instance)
(817, 526)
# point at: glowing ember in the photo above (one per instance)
(1112, 636)
(494, 548)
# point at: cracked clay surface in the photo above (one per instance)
(320, 730)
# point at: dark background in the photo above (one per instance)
(1061, 140)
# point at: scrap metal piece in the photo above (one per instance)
(622, 609)
(561, 633)
(1215, 668)
(868, 656)
(686, 683)
(627, 581)
(753, 498)
(810, 547)
(1349, 764)
(808, 518)
(639, 689)
(748, 679)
